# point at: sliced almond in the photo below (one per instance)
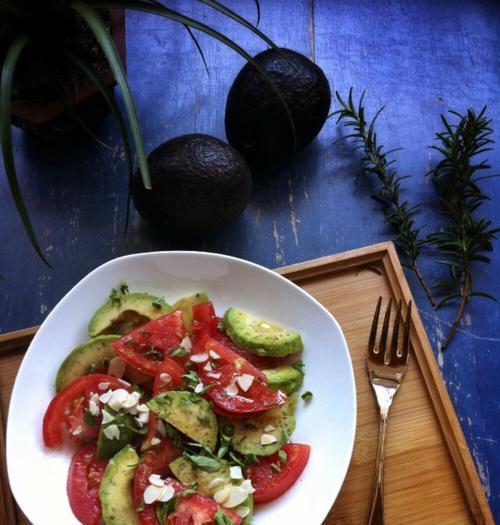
(117, 367)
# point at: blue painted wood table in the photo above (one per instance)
(420, 59)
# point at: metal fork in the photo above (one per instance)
(386, 368)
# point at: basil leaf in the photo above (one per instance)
(203, 462)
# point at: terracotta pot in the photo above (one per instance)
(54, 120)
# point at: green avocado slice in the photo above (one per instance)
(189, 413)
(278, 422)
(115, 492)
(260, 337)
(85, 359)
(286, 378)
(121, 315)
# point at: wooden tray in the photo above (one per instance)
(430, 475)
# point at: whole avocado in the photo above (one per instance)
(198, 183)
(256, 121)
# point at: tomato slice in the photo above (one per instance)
(155, 461)
(227, 368)
(270, 484)
(204, 319)
(198, 509)
(67, 407)
(145, 348)
(84, 479)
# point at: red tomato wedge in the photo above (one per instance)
(67, 407)
(175, 372)
(204, 319)
(155, 461)
(227, 392)
(270, 484)
(84, 479)
(145, 348)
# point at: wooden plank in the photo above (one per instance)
(430, 476)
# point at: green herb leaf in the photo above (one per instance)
(283, 456)
(88, 419)
(307, 396)
(178, 352)
(221, 518)
(203, 462)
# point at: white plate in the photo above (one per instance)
(38, 475)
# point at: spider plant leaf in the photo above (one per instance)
(155, 9)
(109, 96)
(6, 80)
(214, 4)
(108, 47)
(257, 6)
(198, 47)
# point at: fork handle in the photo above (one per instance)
(376, 516)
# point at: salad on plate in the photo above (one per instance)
(177, 416)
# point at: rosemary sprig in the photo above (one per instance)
(466, 238)
(398, 213)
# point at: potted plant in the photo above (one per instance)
(32, 27)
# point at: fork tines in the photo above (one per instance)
(393, 353)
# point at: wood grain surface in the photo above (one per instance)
(430, 475)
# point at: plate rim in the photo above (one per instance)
(196, 253)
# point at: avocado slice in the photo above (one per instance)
(278, 422)
(121, 315)
(84, 359)
(188, 473)
(128, 431)
(189, 413)
(260, 337)
(115, 492)
(186, 305)
(286, 378)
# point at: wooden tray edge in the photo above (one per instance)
(450, 426)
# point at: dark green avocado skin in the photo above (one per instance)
(199, 183)
(256, 122)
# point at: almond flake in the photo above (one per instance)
(245, 381)
(165, 378)
(186, 344)
(106, 417)
(199, 358)
(237, 496)
(242, 512)
(155, 441)
(267, 439)
(112, 432)
(222, 495)
(208, 367)
(103, 386)
(155, 479)
(247, 486)
(117, 367)
(214, 355)
(77, 431)
(214, 375)
(151, 494)
(198, 389)
(215, 483)
(269, 428)
(231, 390)
(235, 472)
(167, 493)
